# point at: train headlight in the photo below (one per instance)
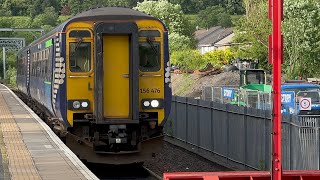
(76, 104)
(85, 104)
(152, 103)
(146, 103)
(155, 103)
(79, 104)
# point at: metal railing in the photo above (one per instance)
(241, 97)
(241, 136)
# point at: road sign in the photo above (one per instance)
(287, 102)
(228, 93)
(305, 104)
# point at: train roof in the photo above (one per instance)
(105, 13)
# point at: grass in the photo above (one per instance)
(187, 82)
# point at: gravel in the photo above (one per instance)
(196, 83)
(176, 159)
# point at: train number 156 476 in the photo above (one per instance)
(150, 90)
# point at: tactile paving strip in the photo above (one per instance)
(4, 170)
(20, 162)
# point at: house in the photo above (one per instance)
(214, 38)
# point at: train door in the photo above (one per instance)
(116, 76)
(116, 66)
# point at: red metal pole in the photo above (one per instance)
(276, 56)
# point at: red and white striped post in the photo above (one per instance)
(276, 59)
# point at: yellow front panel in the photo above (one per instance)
(80, 85)
(151, 84)
(116, 71)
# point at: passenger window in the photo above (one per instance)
(149, 56)
(80, 57)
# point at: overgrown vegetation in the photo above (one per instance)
(182, 17)
(188, 81)
(189, 60)
(301, 35)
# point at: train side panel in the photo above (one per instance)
(22, 72)
(59, 84)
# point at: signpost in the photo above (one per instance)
(305, 104)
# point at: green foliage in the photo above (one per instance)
(214, 16)
(189, 60)
(252, 32)
(300, 30)
(10, 63)
(302, 38)
(77, 6)
(194, 6)
(234, 6)
(188, 81)
(12, 76)
(180, 29)
(61, 19)
(218, 58)
(179, 42)
(49, 17)
(170, 14)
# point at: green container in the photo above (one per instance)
(259, 87)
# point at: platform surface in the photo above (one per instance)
(29, 148)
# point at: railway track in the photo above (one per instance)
(171, 159)
(136, 171)
(103, 171)
(153, 174)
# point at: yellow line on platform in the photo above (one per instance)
(21, 164)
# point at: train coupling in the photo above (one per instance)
(117, 134)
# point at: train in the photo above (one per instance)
(102, 79)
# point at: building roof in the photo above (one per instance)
(212, 35)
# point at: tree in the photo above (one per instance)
(15, 8)
(252, 30)
(179, 42)
(180, 29)
(194, 6)
(302, 38)
(214, 16)
(47, 20)
(170, 14)
(78, 6)
(234, 6)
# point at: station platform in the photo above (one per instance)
(29, 148)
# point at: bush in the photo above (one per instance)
(188, 60)
(12, 76)
(218, 58)
(178, 42)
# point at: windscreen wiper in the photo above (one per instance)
(150, 42)
(79, 41)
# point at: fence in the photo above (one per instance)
(248, 98)
(240, 137)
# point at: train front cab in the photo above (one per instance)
(115, 89)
